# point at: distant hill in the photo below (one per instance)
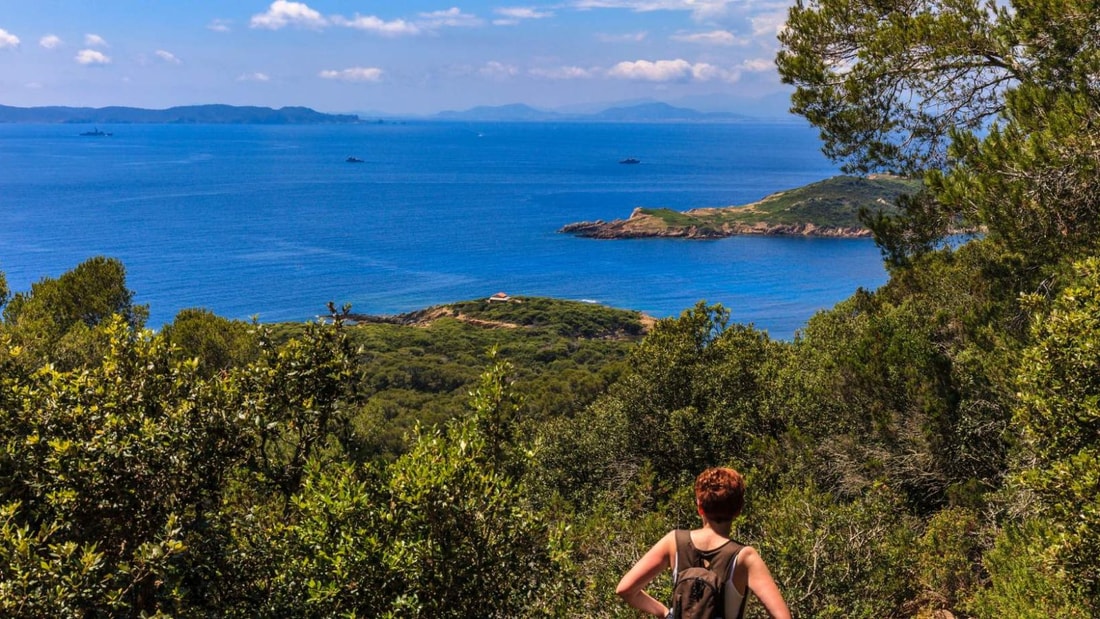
(189, 114)
(661, 111)
(513, 112)
(642, 112)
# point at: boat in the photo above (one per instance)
(96, 133)
(352, 159)
(630, 160)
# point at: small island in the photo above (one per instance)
(828, 208)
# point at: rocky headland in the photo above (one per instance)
(829, 208)
(642, 224)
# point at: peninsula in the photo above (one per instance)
(828, 208)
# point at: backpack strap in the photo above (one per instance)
(686, 555)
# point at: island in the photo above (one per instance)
(828, 208)
(187, 114)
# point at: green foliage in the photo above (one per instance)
(58, 317)
(948, 559)
(691, 398)
(4, 291)
(302, 400)
(464, 542)
(917, 87)
(217, 343)
(569, 319)
(913, 230)
(114, 474)
(672, 218)
(836, 201)
(1034, 181)
(321, 556)
(916, 380)
(885, 80)
(1059, 423)
(834, 558)
(840, 202)
(108, 471)
(1025, 580)
(606, 541)
(93, 291)
(447, 530)
(420, 369)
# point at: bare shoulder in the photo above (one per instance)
(748, 555)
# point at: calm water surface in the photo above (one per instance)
(272, 222)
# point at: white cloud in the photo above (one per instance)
(426, 22)
(497, 70)
(167, 56)
(219, 25)
(354, 74)
(282, 13)
(703, 72)
(769, 24)
(564, 73)
(700, 9)
(94, 40)
(519, 12)
(678, 70)
(50, 41)
(452, 17)
(8, 40)
(370, 23)
(628, 37)
(254, 77)
(715, 37)
(758, 65)
(34, 85)
(89, 57)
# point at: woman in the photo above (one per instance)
(719, 497)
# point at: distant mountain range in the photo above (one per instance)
(643, 112)
(189, 114)
(231, 114)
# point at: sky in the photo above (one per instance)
(393, 57)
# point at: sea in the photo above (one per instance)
(272, 222)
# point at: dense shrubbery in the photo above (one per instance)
(227, 468)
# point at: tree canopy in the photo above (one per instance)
(888, 81)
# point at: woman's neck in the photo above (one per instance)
(719, 528)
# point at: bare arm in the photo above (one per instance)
(632, 587)
(762, 584)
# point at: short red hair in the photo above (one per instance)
(720, 493)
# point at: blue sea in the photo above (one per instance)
(271, 222)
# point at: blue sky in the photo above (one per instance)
(394, 57)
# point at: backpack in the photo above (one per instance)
(699, 589)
